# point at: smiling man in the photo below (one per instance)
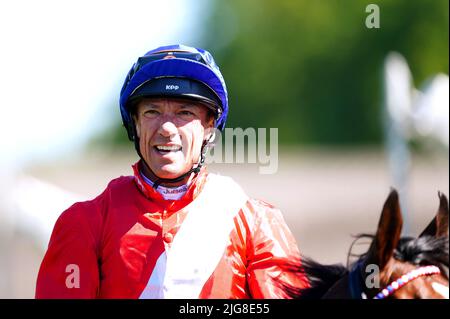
(172, 230)
(171, 133)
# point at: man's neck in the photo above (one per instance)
(152, 177)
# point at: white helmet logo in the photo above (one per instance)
(172, 87)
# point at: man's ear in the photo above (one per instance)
(210, 134)
(209, 128)
(211, 120)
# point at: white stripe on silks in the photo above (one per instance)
(203, 237)
(154, 290)
(201, 240)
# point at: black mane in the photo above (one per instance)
(422, 251)
(425, 250)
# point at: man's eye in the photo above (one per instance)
(186, 113)
(151, 112)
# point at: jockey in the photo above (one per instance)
(172, 230)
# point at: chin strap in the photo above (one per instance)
(195, 169)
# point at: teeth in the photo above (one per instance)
(168, 148)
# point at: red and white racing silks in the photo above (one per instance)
(130, 242)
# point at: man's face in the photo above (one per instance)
(171, 133)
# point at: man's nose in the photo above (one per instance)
(167, 127)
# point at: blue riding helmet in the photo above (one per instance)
(176, 71)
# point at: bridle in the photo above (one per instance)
(356, 279)
(408, 277)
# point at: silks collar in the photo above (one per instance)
(192, 191)
(169, 193)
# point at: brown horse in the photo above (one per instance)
(393, 267)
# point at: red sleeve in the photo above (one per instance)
(70, 266)
(271, 247)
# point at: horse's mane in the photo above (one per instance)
(425, 250)
(422, 251)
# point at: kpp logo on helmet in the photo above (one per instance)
(172, 87)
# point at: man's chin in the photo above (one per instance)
(170, 174)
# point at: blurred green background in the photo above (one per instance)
(312, 68)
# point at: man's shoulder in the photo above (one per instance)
(261, 207)
(219, 178)
(120, 183)
(258, 209)
(89, 207)
(254, 205)
(225, 186)
(257, 202)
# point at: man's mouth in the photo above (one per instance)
(167, 148)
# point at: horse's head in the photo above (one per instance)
(393, 266)
(402, 262)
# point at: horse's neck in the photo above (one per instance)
(340, 290)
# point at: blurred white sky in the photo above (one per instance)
(63, 63)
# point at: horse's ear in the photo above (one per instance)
(439, 224)
(442, 217)
(388, 232)
(430, 230)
